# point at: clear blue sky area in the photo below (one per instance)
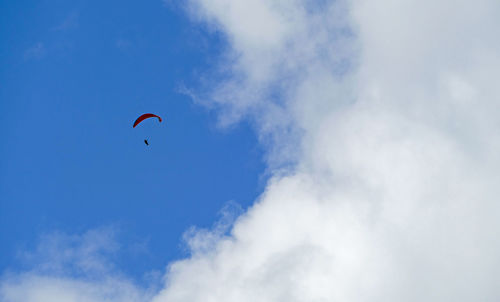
(74, 76)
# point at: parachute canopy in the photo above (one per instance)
(145, 116)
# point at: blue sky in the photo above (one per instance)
(74, 76)
(379, 178)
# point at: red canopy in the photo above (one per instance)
(145, 116)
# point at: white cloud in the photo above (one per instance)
(72, 268)
(37, 51)
(70, 22)
(60, 253)
(36, 288)
(387, 112)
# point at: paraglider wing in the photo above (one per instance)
(145, 116)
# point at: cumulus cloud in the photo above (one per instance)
(387, 112)
(385, 115)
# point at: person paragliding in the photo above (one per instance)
(142, 118)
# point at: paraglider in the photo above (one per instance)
(142, 118)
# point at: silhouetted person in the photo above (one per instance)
(146, 142)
